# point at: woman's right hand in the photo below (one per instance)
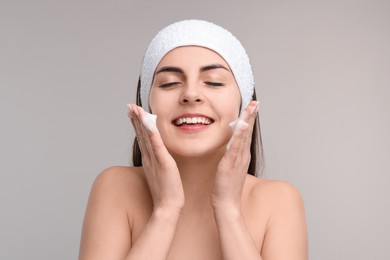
(160, 168)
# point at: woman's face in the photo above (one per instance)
(195, 97)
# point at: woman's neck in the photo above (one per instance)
(198, 175)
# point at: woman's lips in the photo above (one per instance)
(192, 122)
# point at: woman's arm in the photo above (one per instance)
(107, 231)
(286, 234)
(156, 239)
(235, 239)
(165, 185)
(285, 237)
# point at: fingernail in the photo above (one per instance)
(129, 107)
(257, 107)
(135, 111)
(254, 108)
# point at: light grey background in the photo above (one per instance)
(68, 68)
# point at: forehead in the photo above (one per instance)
(191, 56)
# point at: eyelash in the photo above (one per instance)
(210, 83)
(169, 84)
(214, 84)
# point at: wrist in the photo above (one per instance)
(227, 213)
(170, 215)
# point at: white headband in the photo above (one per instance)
(203, 34)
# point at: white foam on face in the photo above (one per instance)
(237, 124)
(149, 121)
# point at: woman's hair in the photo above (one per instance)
(256, 164)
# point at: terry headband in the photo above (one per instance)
(203, 34)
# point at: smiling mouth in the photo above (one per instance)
(192, 121)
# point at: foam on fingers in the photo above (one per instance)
(149, 121)
(240, 124)
(237, 125)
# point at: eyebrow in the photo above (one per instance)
(212, 67)
(202, 69)
(170, 69)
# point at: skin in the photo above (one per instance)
(193, 199)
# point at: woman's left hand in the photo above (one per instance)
(233, 167)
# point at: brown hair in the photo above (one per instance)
(256, 164)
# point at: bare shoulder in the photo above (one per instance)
(119, 174)
(107, 222)
(123, 188)
(275, 192)
(285, 231)
(119, 178)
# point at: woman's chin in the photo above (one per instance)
(196, 151)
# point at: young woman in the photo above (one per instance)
(192, 193)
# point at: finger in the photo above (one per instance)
(133, 119)
(250, 117)
(238, 148)
(136, 121)
(154, 142)
(240, 122)
(237, 142)
(251, 113)
(146, 133)
(140, 138)
(130, 112)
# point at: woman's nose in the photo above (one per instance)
(191, 94)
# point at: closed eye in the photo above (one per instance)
(169, 84)
(214, 84)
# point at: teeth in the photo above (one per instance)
(193, 120)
